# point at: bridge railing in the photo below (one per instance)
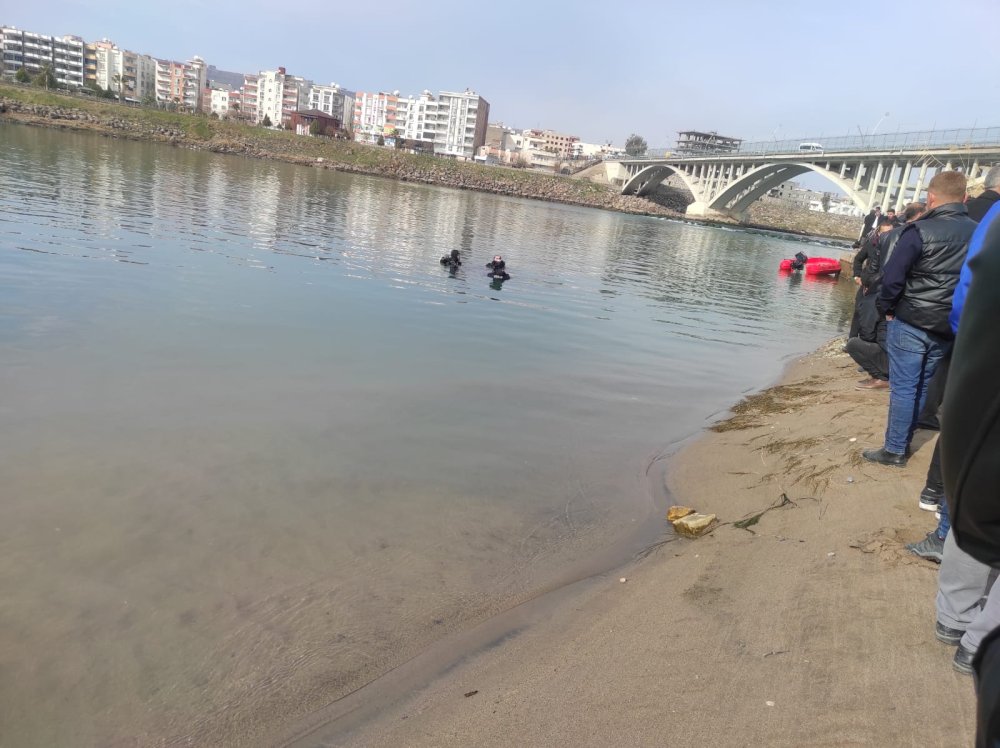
(959, 139)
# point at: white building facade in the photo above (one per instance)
(280, 95)
(63, 54)
(138, 72)
(333, 100)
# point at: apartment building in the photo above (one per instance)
(375, 114)
(455, 123)
(280, 95)
(462, 119)
(182, 84)
(63, 54)
(334, 101)
(138, 72)
(248, 98)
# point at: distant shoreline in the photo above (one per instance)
(59, 111)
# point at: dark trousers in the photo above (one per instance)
(856, 319)
(869, 356)
(935, 393)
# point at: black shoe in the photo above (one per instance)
(948, 635)
(930, 499)
(929, 425)
(884, 458)
(963, 660)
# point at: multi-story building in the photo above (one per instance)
(120, 67)
(195, 83)
(25, 49)
(219, 101)
(181, 84)
(557, 143)
(334, 101)
(461, 124)
(280, 95)
(90, 64)
(454, 122)
(170, 82)
(374, 115)
(248, 99)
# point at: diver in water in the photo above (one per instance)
(497, 270)
(800, 261)
(452, 260)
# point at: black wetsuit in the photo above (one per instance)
(497, 270)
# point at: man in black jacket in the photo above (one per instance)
(918, 282)
(871, 221)
(868, 348)
(978, 206)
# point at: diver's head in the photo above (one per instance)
(497, 258)
(454, 254)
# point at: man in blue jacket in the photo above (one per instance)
(918, 284)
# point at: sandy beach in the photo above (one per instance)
(813, 626)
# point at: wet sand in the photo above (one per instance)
(812, 627)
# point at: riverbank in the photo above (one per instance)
(813, 626)
(39, 108)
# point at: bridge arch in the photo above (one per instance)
(740, 194)
(647, 180)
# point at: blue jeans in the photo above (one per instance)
(914, 354)
(944, 524)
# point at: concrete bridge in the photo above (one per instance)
(889, 171)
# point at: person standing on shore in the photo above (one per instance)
(871, 221)
(964, 580)
(868, 348)
(918, 282)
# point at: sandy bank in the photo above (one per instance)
(813, 627)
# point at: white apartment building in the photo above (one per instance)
(374, 115)
(64, 54)
(461, 124)
(195, 83)
(219, 102)
(333, 100)
(137, 71)
(280, 95)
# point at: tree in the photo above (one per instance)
(825, 202)
(21, 76)
(635, 145)
(149, 100)
(119, 81)
(266, 122)
(316, 127)
(380, 141)
(45, 78)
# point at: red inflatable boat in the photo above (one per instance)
(813, 266)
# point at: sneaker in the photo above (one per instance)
(930, 499)
(948, 635)
(931, 548)
(963, 660)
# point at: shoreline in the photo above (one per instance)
(812, 627)
(35, 108)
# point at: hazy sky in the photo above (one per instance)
(600, 70)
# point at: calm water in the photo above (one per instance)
(258, 447)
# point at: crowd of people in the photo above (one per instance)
(918, 276)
